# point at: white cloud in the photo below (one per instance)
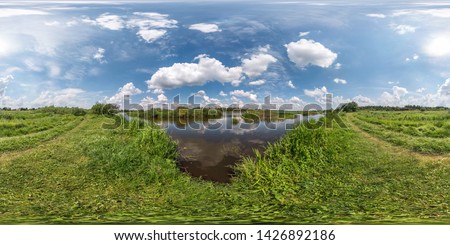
(403, 29)
(296, 100)
(363, 101)
(127, 89)
(242, 93)
(399, 91)
(394, 98)
(51, 23)
(414, 58)
(257, 83)
(4, 81)
(376, 15)
(189, 74)
(223, 94)
(290, 84)
(151, 20)
(319, 94)
(107, 21)
(204, 27)
(303, 34)
(338, 66)
(421, 90)
(53, 70)
(99, 55)
(440, 13)
(65, 97)
(151, 35)
(340, 81)
(392, 83)
(438, 46)
(151, 26)
(158, 91)
(444, 89)
(257, 64)
(308, 52)
(7, 12)
(162, 98)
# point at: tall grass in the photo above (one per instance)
(279, 171)
(139, 156)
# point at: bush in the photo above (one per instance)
(104, 109)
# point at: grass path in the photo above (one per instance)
(396, 149)
(9, 155)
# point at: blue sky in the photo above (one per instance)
(75, 53)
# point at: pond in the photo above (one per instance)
(209, 150)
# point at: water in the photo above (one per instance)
(209, 150)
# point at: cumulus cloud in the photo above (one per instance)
(4, 81)
(204, 27)
(257, 64)
(338, 66)
(190, 74)
(127, 89)
(421, 90)
(290, 84)
(403, 29)
(100, 55)
(158, 91)
(394, 97)
(444, 89)
(257, 83)
(319, 94)
(437, 46)
(363, 101)
(151, 35)
(296, 100)
(309, 52)
(65, 97)
(340, 81)
(107, 21)
(242, 93)
(223, 94)
(376, 15)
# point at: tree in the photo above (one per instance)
(348, 107)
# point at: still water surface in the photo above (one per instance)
(209, 150)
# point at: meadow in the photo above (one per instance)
(375, 170)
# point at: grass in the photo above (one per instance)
(319, 176)
(425, 132)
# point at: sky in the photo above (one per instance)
(77, 53)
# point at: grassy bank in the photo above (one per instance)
(91, 175)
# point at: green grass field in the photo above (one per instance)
(375, 171)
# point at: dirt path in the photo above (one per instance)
(396, 149)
